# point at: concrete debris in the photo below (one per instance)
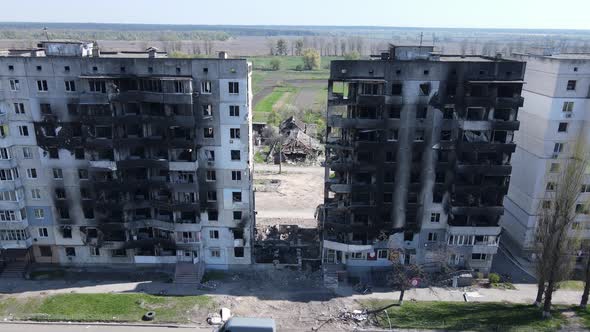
(210, 284)
(355, 315)
(214, 319)
(225, 314)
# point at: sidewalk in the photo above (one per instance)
(524, 293)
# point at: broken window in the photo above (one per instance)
(502, 114)
(421, 112)
(208, 133)
(396, 89)
(212, 215)
(66, 232)
(394, 112)
(236, 196)
(392, 135)
(19, 108)
(88, 213)
(234, 133)
(70, 251)
(448, 112)
(425, 89)
(60, 193)
(387, 197)
(390, 156)
(235, 155)
(239, 252)
(97, 86)
(79, 153)
(237, 215)
(562, 127)
(370, 89)
(206, 87)
(475, 113)
(389, 177)
(419, 135)
(103, 132)
(211, 176)
(451, 90)
(64, 213)
(571, 85)
(446, 135)
(568, 106)
(207, 110)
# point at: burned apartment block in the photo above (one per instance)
(124, 158)
(418, 159)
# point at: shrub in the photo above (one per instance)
(494, 278)
(275, 64)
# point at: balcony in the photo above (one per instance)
(154, 97)
(478, 210)
(103, 164)
(339, 122)
(16, 244)
(340, 188)
(495, 170)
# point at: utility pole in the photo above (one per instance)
(46, 33)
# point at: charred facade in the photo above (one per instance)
(126, 158)
(418, 158)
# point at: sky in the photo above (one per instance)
(527, 14)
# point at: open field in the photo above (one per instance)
(106, 307)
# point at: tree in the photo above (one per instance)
(311, 59)
(354, 55)
(275, 64)
(281, 47)
(299, 47)
(275, 141)
(555, 241)
(584, 301)
(273, 118)
(401, 277)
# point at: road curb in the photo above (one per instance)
(27, 322)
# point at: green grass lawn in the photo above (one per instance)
(104, 307)
(467, 316)
(267, 103)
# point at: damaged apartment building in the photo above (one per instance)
(418, 159)
(124, 157)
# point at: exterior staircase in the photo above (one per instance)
(14, 270)
(188, 273)
(331, 275)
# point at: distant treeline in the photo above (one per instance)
(99, 31)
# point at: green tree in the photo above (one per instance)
(354, 55)
(273, 119)
(311, 59)
(299, 47)
(275, 64)
(281, 47)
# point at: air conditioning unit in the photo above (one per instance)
(568, 115)
(231, 141)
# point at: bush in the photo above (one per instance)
(311, 59)
(275, 64)
(494, 278)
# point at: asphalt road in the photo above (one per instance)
(8, 327)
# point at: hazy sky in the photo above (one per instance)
(563, 14)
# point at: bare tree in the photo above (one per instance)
(401, 277)
(555, 238)
(299, 47)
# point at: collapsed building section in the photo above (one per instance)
(128, 158)
(418, 159)
(287, 245)
(296, 142)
